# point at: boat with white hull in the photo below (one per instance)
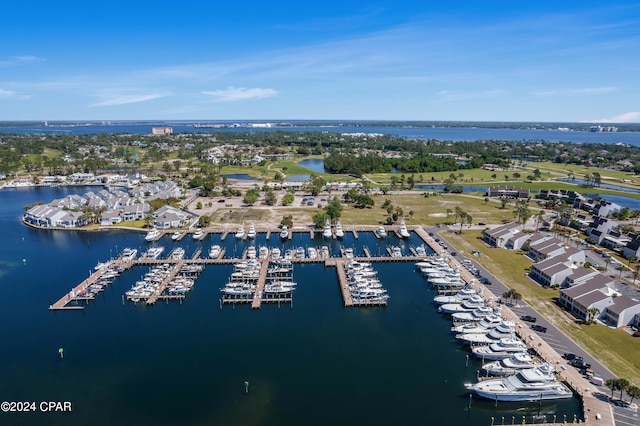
(339, 231)
(533, 384)
(326, 231)
(152, 235)
(382, 233)
(509, 366)
(284, 232)
(501, 349)
(404, 232)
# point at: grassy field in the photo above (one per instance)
(614, 348)
(562, 170)
(427, 210)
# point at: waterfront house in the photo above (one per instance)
(169, 217)
(621, 312)
(110, 217)
(594, 300)
(136, 211)
(579, 276)
(554, 270)
(632, 249)
(599, 228)
(541, 249)
(600, 283)
(508, 192)
(498, 236)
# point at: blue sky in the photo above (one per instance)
(377, 60)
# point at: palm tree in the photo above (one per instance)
(612, 384)
(633, 392)
(623, 384)
(592, 314)
(538, 217)
(516, 296)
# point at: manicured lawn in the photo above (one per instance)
(614, 348)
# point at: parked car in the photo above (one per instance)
(485, 280)
(528, 318)
(579, 363)
(539, 328)
(569, 356)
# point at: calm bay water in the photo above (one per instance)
(316, 363)
(455, 134)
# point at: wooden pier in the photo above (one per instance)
(355, 233)
(344, 288)
(262, 277)
(154, 297)
(224, 235)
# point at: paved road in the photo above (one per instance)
(555, 338)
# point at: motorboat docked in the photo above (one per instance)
(465, 293)
(275, 253)
(240, 232)
(324, 251)
(284, 232)
(129, 253)
(339, 231)
(176, 235)
(198, 234)
(326, 231)
(153, 253)
(215, 251)
(532, 384)
(152, 235)
(251, 233)
(312, 253)
(476, 315)
(421, 250)
(396, 251)
(468, 305)
(263, 252)
(251, 252)
(382, 233)
(501, 349)
(486, 324)
(509, 366)
(505, 329)
(404, 232)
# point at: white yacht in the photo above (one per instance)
(465, 293)
(468, 305)
(312, 253)
(382, 233)
(506, 329)
(152, 235)
(153, 252)
(240, 232)
(532, 384)
(275, 253)
(396, 251)
(251, 252)
(251, 233)
(129, 253)
(324, 251)
(421, 250)
(326, 231)
(500, 350)
(263, 252)
(198, 234)
(339, 231)
(404, 232)
(509, 366)
(215, 251)
(284, 232)
(176, 235)
(476, 315)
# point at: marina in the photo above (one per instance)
(138, 340)
(175, 262)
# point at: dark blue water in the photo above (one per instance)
(313, 164)
(241, 176)
(602, 185)
(455, 134)
(631, 203)
(316, 363)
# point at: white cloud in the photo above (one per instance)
(627, 117)
(570, 91)
(19, 60)
(114, 99)
(11, 94)
(231, 94)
